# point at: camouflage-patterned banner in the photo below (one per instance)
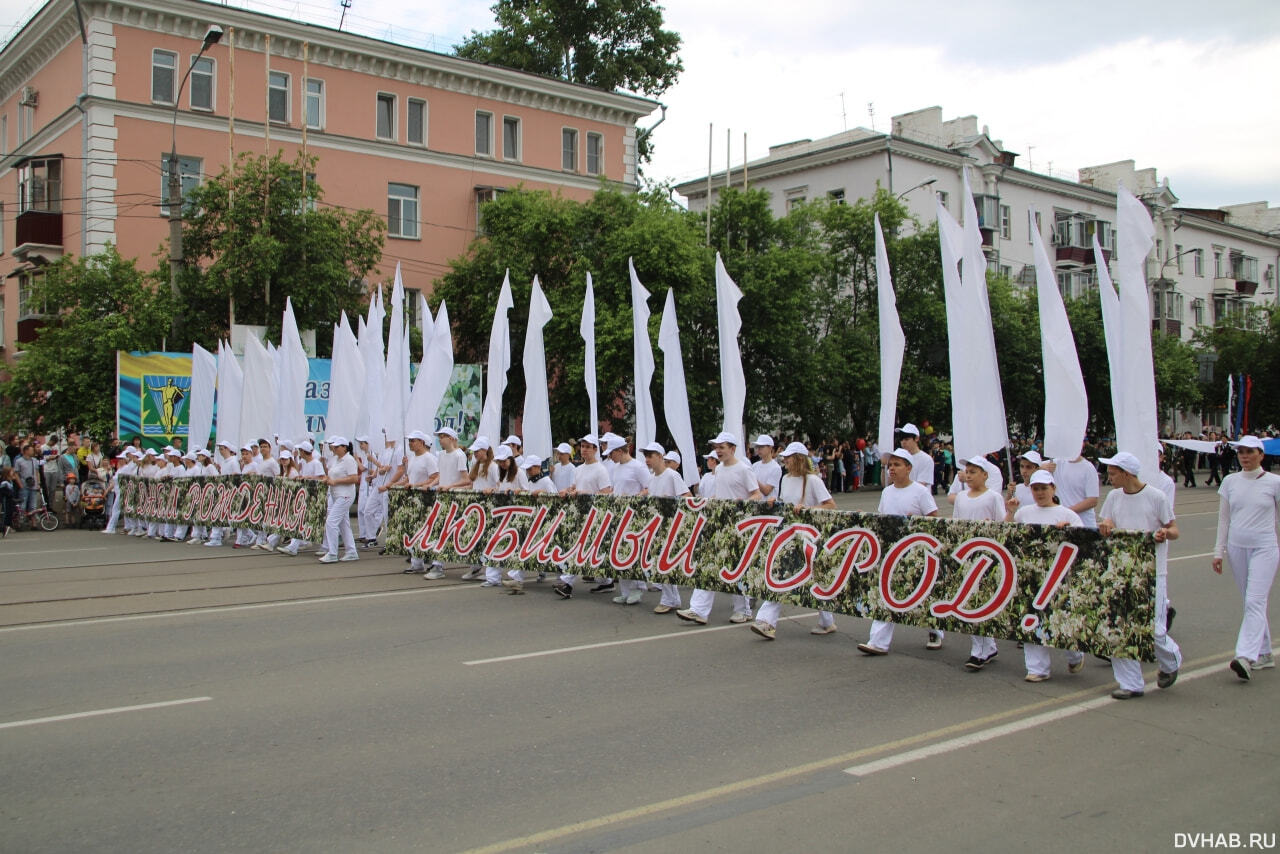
(275, 505)
(1064, 588)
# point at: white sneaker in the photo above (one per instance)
(285, 550)
(349, 556)
(194, 540)
(633, 598)
(211, 544)
(321, 552)
(620, 600)
(473, 573)
(328, 558)
(434, 573)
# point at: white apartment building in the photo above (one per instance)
(1207, 267)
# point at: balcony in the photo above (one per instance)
(39, 233)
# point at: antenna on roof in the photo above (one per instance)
(346, 4)
(844, 116)
(871, 111)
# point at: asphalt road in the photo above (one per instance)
(293, 706)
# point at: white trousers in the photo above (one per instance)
(982, 647)
(371, 512)
(671, 596)
(882, 634)
(701, 601)
(1037, 658)
(1127, 671)
(115, 516)
(768, 612)
(338, 523)
(1255, 570)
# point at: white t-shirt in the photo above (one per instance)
(229, 465)
(1247, 512)
(667, 484)
(989, 507)
(1025, 496)
(342, 468)
(1077, 481)
(707, 486)
(630, 478)
(810, 487)
(487, 480)
(910, 500)
(1055, 514)
(768, 473)
(452, 466)
(591, 478)
(420, 468)
(562, 476)
(922, 468)
(735, 482)
(543, 484)
(313, 468)
(269, 467)
(1161, 481)
(1145, 510)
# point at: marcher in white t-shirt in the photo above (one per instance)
(766, 469)
(630, 477)
(590, 478)
(666, 483)
(562, 472)
(978, 503)
(901, 497)
(1077, 482)
(707, 485)
(342, 479)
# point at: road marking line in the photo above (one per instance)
(60, 551)
(97, 712)
(251, 606)
(694, 798)
(1190, 557)
(586, 646)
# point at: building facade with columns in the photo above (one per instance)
(1207, 266)
(89, 99)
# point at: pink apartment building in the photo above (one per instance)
(87, 102)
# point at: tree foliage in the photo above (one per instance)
(1252, 351)
(257, 233)
(97, 305)
(608, 44)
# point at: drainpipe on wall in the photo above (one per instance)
(84, 132)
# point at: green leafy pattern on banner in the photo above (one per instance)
(273, 505)
(987, 577)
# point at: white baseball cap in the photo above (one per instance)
(363, 438)
(613, 443)
(764, 440)
(513, 439)
(793, 449)
(1124, 460)
(902, 454)
(563, 448)
(674, 456)
(502, 452)
(480, 444)
(306, 447)
(1249, 442)
(333, 441)
(1042, 477)
(530, 461)
(590, 439)
(286, 454)
(419, 435)
(150, 452)
(225, 444)
(711, 455)
(653, 448)
(724, 438)
(1032, 457)
(447, 431)
(203, 451)
(910, 429)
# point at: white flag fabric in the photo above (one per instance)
(291, 394)
(587, 329)
(230, 394)
(499, 364)
(426, 324)
(642, 360)
(675, 394)
(1200, 446)
(346, 382)
(537, 405)
(258, 406)
(395, 394)
(733, 383)
(1231, 407)
(433, 376)
(375, 367)
(892, 345)
(1110, 330)
(204, 380)
(1066, 406)
(1137, 430)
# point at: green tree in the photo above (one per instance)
(95, 306)
(608, 44)
(256, 234)
(1253, 351)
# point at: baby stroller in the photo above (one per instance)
(93, 503)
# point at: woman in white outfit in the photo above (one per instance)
(1247, 539)
(1044, 509)
(483, 477)
(342, 479)
(799, 487)
(533, 482)
(977, 503)
(512, 480)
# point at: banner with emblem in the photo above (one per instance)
(273, 505)
(1064, 588)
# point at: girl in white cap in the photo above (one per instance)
(707, 485)
(366, 469)
(766, 469)
(483, 477)
(342, 479)
(666, 483)
(629, 476)
(421, 471)
(1044, 509)
(977, 503)
(531, 473)
(902, 497)
(311, 468)
(590, 478)
(562, 472)
(799, 487)
(1247, 539)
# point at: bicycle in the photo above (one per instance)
(24, 520)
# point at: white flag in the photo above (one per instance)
(642, 360)
(204, 379)
(733, 384)
(375, 368)
(230, 394)
(1066, 406)
(395, 394)
(499, 364)
(433, 376)
(291, 394)
(587, 328)
(892, 345)
(675, 394)
(537, 406)
(1111, 331)
(1138, 430)
(257, 411)
(346, 382)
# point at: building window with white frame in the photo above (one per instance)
(484, 134)
(1217, 262)
(484, 195)
(164, 76)
(27, 306)
(189, 175)
(402, 211)
(40, 185)
(202, 77)
(944, 198)
(1198, 266)
(416, 125)
(385, 125)
(1006, 222)
(569, 150)
(278, 97)
(836, 195)
(1036, 229)
(595, 154)
(510, 138)
(313, 110)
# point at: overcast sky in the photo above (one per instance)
(1191, 88)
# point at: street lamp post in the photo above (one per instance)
(932, 179)
(174, 192)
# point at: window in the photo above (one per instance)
(836, 196)
(943, 198)
(314, 109)
(27, 282)
(484, 134)
(510, 138)
(402, 210)
(595, 154)
(4, 135)
(1217, 262)
(1006, 219)
(1198, 258)
(40, 185)
(278, 96)
(417, 130)
(164, 71)
(796, 196)
(988, 211)
(188, 173)
(485, 195)
(1039, 228)
(1197, 311)
(569, 150)
(1006, 271)
(386, 116)
(201, 94)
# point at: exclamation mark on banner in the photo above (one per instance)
(1057, 574)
